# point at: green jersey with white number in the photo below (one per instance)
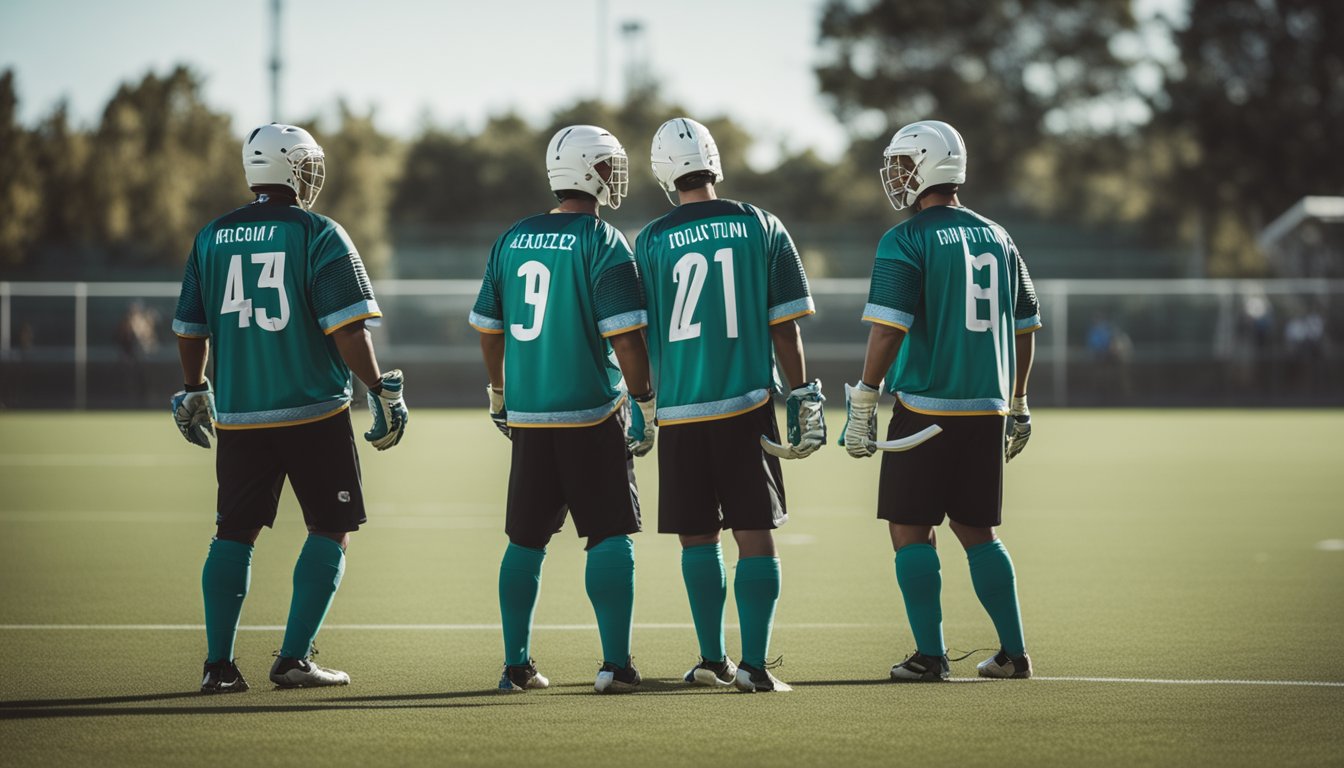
(955, 282)
(717, 275)
(558, 285)
(266, 284)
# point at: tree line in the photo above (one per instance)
(1230, 133)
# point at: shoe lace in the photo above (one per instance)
(967, 654)
(776, 663)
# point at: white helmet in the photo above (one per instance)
(288, 156)
(572, 157)
(683, 146)
(933, 154)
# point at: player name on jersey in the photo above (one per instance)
(679, 238)
(256, 233)
(950, 235)
(552, 241)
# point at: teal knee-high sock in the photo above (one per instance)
(224, 582)
(919, 574)
(317, 574)
(996, 585)
(610, 579)
(519, 584)
(756, 587)
(707, 588)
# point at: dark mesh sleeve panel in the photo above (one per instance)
(619, 290)
(896, 285)
(788, 281)
(1027, 304)
(190, 308)
(340, 284)
(487, 301)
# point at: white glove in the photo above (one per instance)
(643, 417)
(860, 433)
(1019, 428)
(498, 414)
(389, 411)
(194, 413)
(806, 424)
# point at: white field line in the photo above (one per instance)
(98, 460)
(593, 627)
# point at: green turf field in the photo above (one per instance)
(1151, 548)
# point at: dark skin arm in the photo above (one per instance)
(356, 347)
(1026, 352)
(884, 342)
(632, 355)
(788, 342)
(192, 353)
(492, 351)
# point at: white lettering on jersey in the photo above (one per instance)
(697, 233)
(553, 241)
(254, 233)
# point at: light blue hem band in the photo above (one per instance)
(888, 315)
(488, 323)
(282, 415)
(793, 308)
(717, 408)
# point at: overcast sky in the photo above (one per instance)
(451, 62)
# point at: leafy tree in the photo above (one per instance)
(1002, 71)
(20, 185)
(363, 166)
(1258, 98)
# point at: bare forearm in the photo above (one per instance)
(788, 341)
(632, 355)
(356, 347)
(492, 351)
(884, 342)
(1026, 352)
(193, 353)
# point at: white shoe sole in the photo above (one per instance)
(298, 679)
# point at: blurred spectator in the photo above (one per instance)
(1304, 338)
(137, 340)
(1111, 351)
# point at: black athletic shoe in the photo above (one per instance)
(712, 673)
(614, 679)
(1004, 667)
(522, 677)
(222, 677)
(755, 680)
(919, 668)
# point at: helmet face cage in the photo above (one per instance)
(618, 178)
(901, 179)
(309, 169)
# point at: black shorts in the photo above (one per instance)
(957, 473)
(585, 472)
(713, 475)
(320, 461)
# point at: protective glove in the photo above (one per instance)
(643, 417)
(806, 423)
(1019, 428)
(388, 410)
(860, 433)
(194, 412)
(498, 414)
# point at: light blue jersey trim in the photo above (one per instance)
(196, 330)
(1028, 323)
(793, 308)
(488, 323)
(367, 309)
(698, 411)
(565, 418)
(622, 322)
(888, 315)
(944, 405)
(283, 415)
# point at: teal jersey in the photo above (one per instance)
(717, 274)
(266, 284)
(955, 282)
(558, 285)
